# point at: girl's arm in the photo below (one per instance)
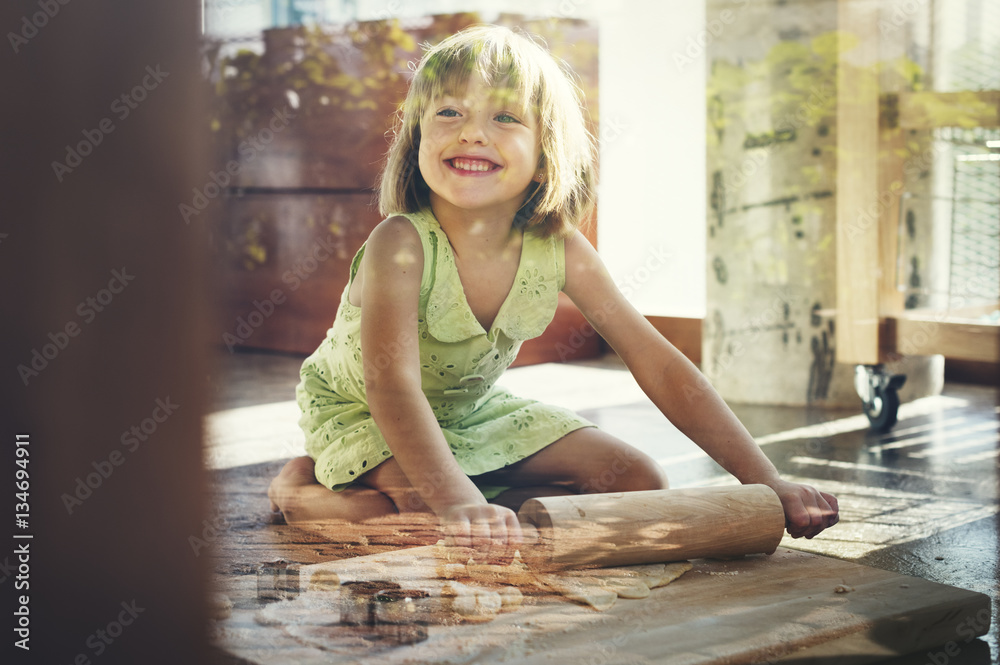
(682, 393)
(392, 267)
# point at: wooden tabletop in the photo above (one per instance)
(789, 605)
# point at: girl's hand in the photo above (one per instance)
(486, 527)
(807, 510)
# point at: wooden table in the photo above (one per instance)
(788, 606)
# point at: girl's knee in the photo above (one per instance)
(649, 475)
(643, 474)
(389, 479)
(634, 472)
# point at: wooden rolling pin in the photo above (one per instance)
(597, 530)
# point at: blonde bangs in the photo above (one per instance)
(498, 58)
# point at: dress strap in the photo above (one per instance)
(560, 248)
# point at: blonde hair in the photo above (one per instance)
(513, 60)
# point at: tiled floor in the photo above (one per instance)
(921, 500)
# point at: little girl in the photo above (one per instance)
(490, 173)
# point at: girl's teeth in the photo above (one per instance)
(468, 165)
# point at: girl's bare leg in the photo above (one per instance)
(299, 496)
(390, 481)
(586, 461)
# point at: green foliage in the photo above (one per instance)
(346, 71)
(314, 61)
(799, 79)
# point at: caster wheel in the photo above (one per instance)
(879, 395)
(883, 409)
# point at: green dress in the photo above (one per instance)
(486, 427)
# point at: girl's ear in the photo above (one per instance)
(540, 173)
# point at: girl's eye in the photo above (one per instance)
(506, 118)
(448, 113)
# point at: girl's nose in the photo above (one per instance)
(473, 132)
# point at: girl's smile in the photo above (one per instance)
(471, 165)
(478, 152)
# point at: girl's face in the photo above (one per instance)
(478, 152)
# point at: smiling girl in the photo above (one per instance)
(490, 174)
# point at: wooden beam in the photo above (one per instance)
(858, 204)
(928, 110)
(928, 333)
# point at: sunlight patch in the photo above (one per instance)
(253, 434)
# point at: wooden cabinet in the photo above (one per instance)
(287, 256)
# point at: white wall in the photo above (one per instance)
(651, 228)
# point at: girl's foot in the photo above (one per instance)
(298, 472)
(301, 498)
